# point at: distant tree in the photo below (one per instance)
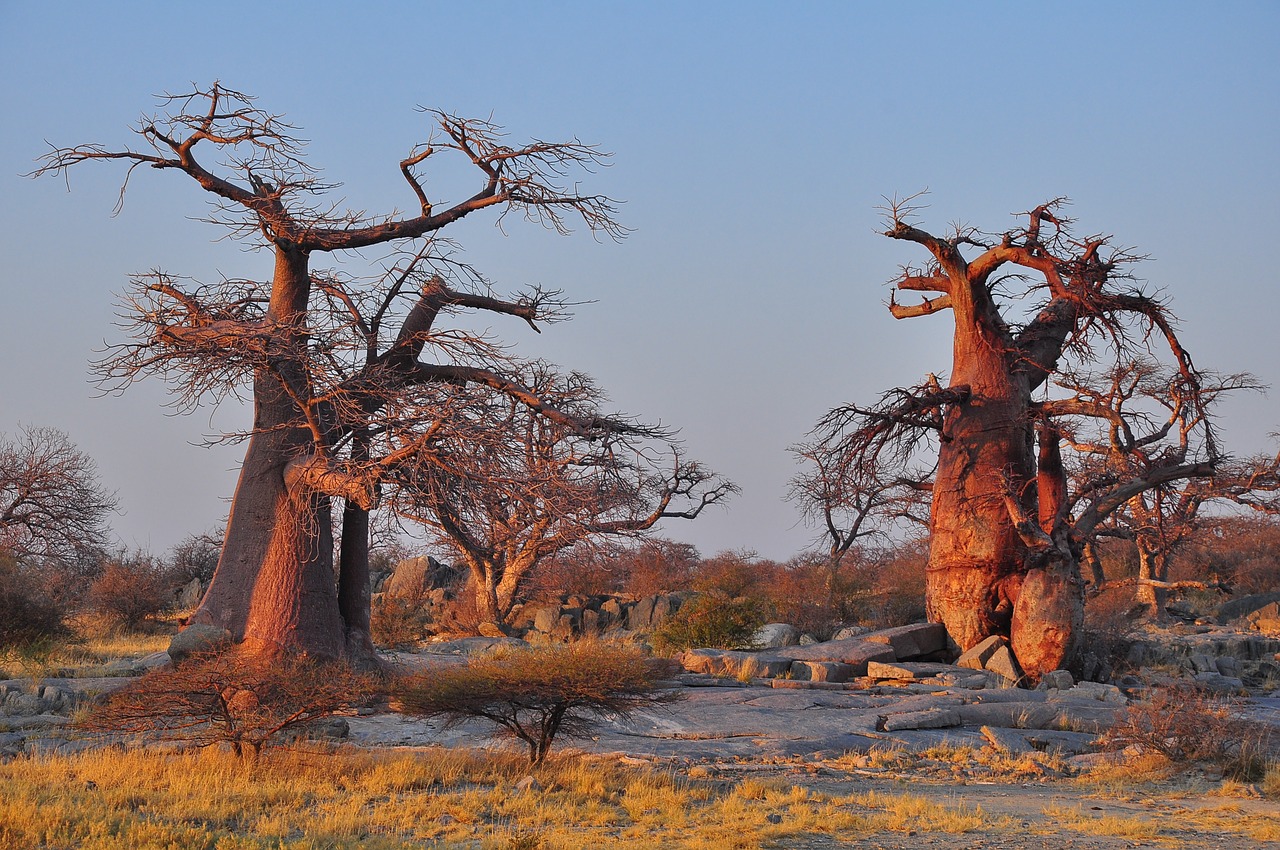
(51, 503)
(507, 488)
(319, 353)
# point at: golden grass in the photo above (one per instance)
(1116, 826)
(348, 798)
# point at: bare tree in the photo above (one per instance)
(507, 488)
(51, 503)
(316, 403)
(1033, 303)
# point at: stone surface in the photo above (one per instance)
(414, 578)
(911, 641)
(1060, 680)
(1234, 609)
(196, 638)
(1008, 715)
(1003, 662)
(821, 671)
(1006, 740)
(855, 652)
(775, 635)
(977, 656)
(850, 632)
(934, 718)
(912, 670)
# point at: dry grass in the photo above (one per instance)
(347, 798)
(1116, 826)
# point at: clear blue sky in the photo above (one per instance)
(752, 144)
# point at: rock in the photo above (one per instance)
(807, 639)
(36, 721)
(849, 632)
(775, 635)
(1265, 619)
(330, 729)
(188, 595)
(1234, 609)
(912, 641)
(821, 671)
(414, 578)
(1228, 666)
(196, 638)
(1006, 741)
(1202, 664)
(855, 652)
(545, 619)
(1219, 683)
(491, 630)
(728, 662)
(640, 615)
(977, 656)
(474, 645)
(911, 670)
(1059, 680)
(1093, 691)
(1086, 717)
(1008, 715)
(933, 718)
(611, 613)
(1003, 662)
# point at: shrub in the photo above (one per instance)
(538, 693)
(30, 615)
(397, 622)
(245, 702)
(129, 592)
(1184, 725)
(711, 620)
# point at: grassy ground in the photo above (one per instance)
(306, 799)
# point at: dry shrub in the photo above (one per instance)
(711, 620)
(535, 694)
(29, 615)
(1184, 725)
(398, 622)
(129, 592)
(247, 703)
(1108, 626)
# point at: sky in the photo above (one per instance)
(752, 146)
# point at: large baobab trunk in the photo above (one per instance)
(274, 585)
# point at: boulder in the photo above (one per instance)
(775, 635)
(197, 638)
(728, 662)
(1234, 609)
(977, 656)
(821, 671)
(414, 578)
(1008, 715)
(912, 641)
(188, 595)
(1006, 741)
(1003, 662)
(855, 652)
(932, 718)
(912, 670)
(1058, 680)
(849, 632)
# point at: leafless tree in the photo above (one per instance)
(507, 488)
(319, 353)
(51, 503)
(1032, 303)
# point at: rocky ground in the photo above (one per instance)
(877, 711)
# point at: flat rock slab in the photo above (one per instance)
(914, 670)
(855, 652)
(912, 641)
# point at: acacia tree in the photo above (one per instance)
(274, 587)
(507, 488)
(51, 502)
(1034, 302)
(1133, 423)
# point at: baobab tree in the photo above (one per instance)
(507, 488)
(1031, 303)
(314, 413)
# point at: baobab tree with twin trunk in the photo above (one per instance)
(316, 350)
(1030, 306)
